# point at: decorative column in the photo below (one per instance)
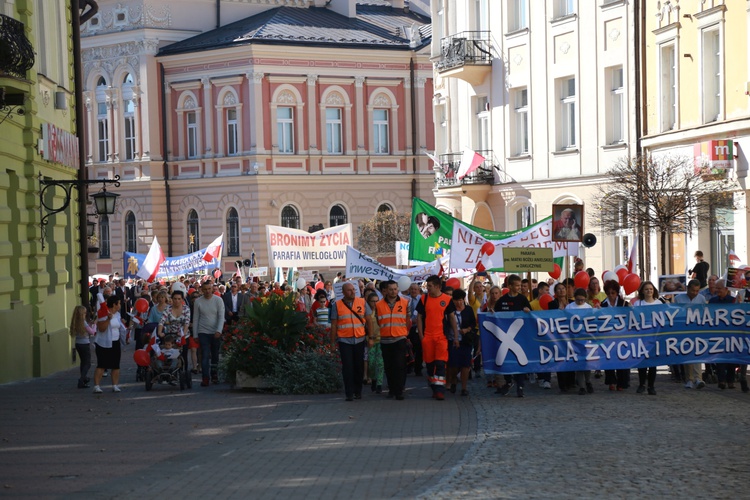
(359, 102)
(109, 99)
(420, 136)
(209, 131)
(257, 132)
(90, 130)
(137, 122)
(407, 119)
(312, 119)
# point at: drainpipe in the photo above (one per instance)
(413, 118)
(165, 166)
(83, 240)
(218, 14)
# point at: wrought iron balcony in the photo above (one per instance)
(466, 55)
(16, 52)
(447, 174)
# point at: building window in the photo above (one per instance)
(290, 217)
(380, 131)
(385, 207)
(131, 233)
(567, 113)
(617, 109)
(517, 15)
(711, 75)
(482, 117)
(193, 231)
(482, 15)
(667, 87)
(333, 130)
(233, 232)
(128, 103)
(337, 216)
(192, 135)
(722, 238)
(521, 121)
(103, 131)
(524, 217)
(564, 8)
(232, 131)
(104, 241)
(285, 124)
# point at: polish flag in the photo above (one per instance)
(633, 256)
(152, 262)
(470, 161)
(434, 159)
(733, 257)
(214, 249)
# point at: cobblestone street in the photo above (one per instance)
(59, 442)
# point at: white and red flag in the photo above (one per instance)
(214, 249)
(632, 259)
(151, 264)
(470, 161)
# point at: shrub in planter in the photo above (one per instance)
(271, 323)
(306, 371)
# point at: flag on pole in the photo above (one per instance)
(214, 249)
(290, 275)
(470, 161)
(152, 262)
(733, 257)
(277, 276)
(434, 159)
(633, 256)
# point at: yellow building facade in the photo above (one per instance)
(38, 287)
(696, 104)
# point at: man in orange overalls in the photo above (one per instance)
(394, 320)
(435, 310)
(348, 322)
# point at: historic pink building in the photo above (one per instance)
(299, 116)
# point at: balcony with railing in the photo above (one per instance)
(16, 52)
(466, 55)
(446, 174)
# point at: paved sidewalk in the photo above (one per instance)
(57, 441)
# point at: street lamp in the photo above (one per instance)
(104, 201)
(90, 227)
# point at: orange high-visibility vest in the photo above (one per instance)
(434, 313)
(348, 325)
(393, 322)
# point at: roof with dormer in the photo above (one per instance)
(376, 25)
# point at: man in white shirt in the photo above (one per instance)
(208, 322)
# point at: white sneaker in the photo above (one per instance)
(97, 389)
(699, 384)
(688, 385)
(116, 388)
(546, 385)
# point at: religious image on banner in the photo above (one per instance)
(567, 223)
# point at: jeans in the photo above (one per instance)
(209, 354)
(352, 367)
(394, 359)
(84, 354)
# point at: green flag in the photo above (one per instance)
(431, 232)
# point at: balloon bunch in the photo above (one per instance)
(630, 282)
(487, 249)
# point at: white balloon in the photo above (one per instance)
(620, 267)
(611, 275)
(301, 283)
(179, 287)
(404, 282)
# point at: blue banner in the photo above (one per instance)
(614, 338)
(172, 266)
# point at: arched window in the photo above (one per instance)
(290, 217)
(233, 232)
(128, 113)
(104, 250)
(385, 207)
(102, 120)
(337, 216)
(193, 227)
(524, 217)
(131, 233)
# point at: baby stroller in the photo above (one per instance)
(156, 371)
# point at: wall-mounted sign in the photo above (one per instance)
(59, 146)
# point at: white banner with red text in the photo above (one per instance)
(289, 247)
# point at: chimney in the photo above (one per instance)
(346, 8)
(397, 4)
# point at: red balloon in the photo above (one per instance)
(217, 273)
(488, 248)
(141, 357)
(141, 305)
(506, 291)
(631, 283)
(544, 301)
(480, 267)
(556, 271)
(319, 285)
(581, 279)
(454, 283)
(622, 273)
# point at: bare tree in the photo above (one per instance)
(378, 236)
(667, 195)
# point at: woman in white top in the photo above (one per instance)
(107, 343)
(648, 295)
(583, 377)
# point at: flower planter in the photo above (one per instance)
(245, 381)
(93, 249)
